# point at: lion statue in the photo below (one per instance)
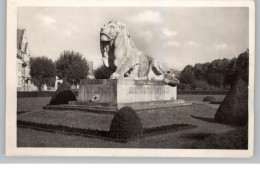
(121, 56)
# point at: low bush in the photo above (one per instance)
(209, 99)
(63, 97)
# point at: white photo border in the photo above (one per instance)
(11, 91)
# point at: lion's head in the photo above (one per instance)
(112, 36)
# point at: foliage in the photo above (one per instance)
(72, 66)
(42, 71)
(209, 99)
(177, 73)
(63, 97)
(187, 75)
(238, 68)
(202, 85)
(218, 74)
(64, 86)
(59, 97)
(216, 79)
(102, 72)
(126, 125)
(183, 86)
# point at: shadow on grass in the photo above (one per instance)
(234, 139)
(22, 112)
(206, 119)
(105, 135)
(216, 102)
(198, 136)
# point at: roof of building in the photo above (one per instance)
(20, 33)
(22, 44)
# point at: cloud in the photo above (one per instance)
(147, 16)
(167, 32)
(192, 43)
(47, 20)
(221, 46)
(71, 29)
(173, 43)
(146, 35)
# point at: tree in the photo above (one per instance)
(238, 68)
(198, 71)
(216, 79)
(42, 71)
(201, 85)
(176, 72)
(187, 75)
(102, 72)
(72, 66)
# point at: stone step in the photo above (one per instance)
(150, 103)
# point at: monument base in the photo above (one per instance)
(108, 96)
(125, 91)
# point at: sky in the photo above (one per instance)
(177, 36)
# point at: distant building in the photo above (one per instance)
(23, 69)
(23, 58)
(56, 86)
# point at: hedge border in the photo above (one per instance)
(105, 135)
(179, 92)
(40, 94)
(201, 92)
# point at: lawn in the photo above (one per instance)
(32, 103)
(207, 134)
(36, 103)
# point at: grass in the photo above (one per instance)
(69, 118)
(174, 140)
(150, 118)
(208, 134)
(235, 139)
(32, 103)
(36, 103)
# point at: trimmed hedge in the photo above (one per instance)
(126, 125)
(63, 97)
(40, 94)
(209, 99)
(76, 92)
(234, 108)
(201, 92)
(101, 133)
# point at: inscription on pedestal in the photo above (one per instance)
(126, 91)
(103, 89)
(148, 90)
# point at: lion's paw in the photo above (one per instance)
(114, 76)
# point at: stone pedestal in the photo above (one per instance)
(125, 91)
(112, 95)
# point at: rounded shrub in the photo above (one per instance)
(126, 125)
(63, 94)
(63, 97)
(209, 99)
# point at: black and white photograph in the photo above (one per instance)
(151, 79)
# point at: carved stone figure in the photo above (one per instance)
(120, 55)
